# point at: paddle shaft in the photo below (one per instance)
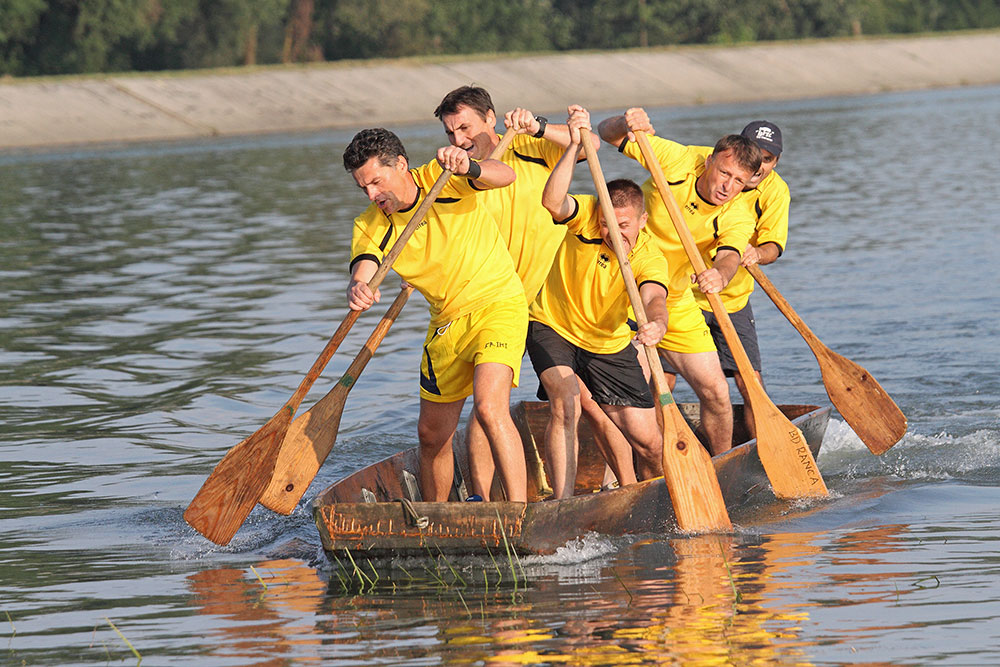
(786, 457)
(502, 145)
(861, 400)
(687, 469)
(312, 435)
(786, 308)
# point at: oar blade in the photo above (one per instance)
(785, 454)
(309, 441)
(229, 494)
(691, 478)
(862, 402)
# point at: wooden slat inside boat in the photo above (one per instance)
(378, 510)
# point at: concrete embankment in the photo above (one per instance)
(39, 113)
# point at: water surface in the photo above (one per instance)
(161, 302)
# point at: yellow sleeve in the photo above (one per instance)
(580, 222)
(649, 265)
(370, 237)
(670, 154)
(542, 152)
(735, 227)
(550, 151)
(772, 212)
(458, 186)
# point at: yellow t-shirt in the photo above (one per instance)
(455, 258)
(713, 227)
(768, 203)
(525, 226)
(584, 297)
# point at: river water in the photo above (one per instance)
(161, 302)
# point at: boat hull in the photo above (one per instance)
(397, 523)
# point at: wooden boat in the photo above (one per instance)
(378, 511)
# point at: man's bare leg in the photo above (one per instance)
(491, 395)
(561, 445)
(435, 430)
(703, 372)
(481, 466)
(614, 447)
(647, 373)
(640, 427)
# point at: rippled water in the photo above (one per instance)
(161, 302)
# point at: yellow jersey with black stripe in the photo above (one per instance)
(768, 203)
(455, 258)
(584, 297)
(713, 227)
(525, 226)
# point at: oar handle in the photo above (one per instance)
(694, 256)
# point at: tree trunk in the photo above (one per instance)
(298, 31)
(250, 46)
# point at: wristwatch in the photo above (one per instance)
(542, 122)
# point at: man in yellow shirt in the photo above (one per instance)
(705, 189)
(767, 196)
(457, 260)
(469, 119)
(577, 332)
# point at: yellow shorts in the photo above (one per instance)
(686, 328)
(494, 334)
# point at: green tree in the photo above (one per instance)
(18, 30)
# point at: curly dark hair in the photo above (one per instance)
(474, 97)
(746, 151)
(376, 142)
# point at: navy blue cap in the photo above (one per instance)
(766, 135)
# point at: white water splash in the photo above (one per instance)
(916, 457)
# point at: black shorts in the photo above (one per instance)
(613, 379)
(746, 328)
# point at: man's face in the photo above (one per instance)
(386, 185)
(630, 220)
(723, 178)
(767, 164)
(467, 129)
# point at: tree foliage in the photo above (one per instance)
(68, 36)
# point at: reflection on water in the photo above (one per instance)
(701, 600)
(160, 303)
(268, 616)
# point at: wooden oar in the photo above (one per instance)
(311, 438)
(687, 467)
(225, 499)
(783, 451)
(312, 435)
(860, 399)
